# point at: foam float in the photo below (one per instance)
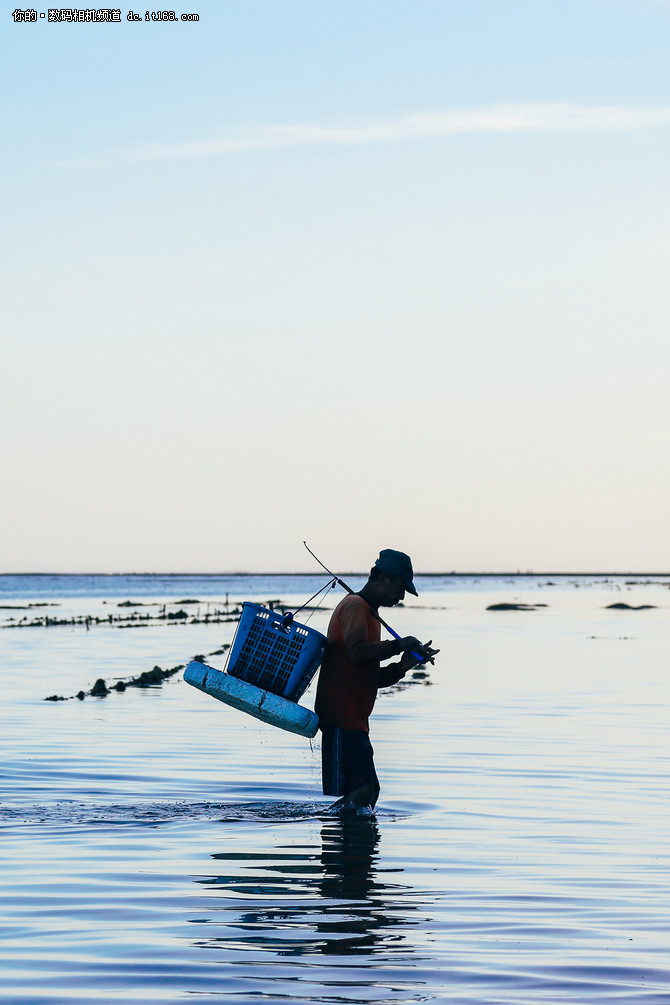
(264, 705)
(271, 663)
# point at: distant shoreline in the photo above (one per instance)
(423, 575)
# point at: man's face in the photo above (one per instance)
(392, 590)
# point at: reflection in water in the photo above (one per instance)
(348, 856)
(297, 901)
(371, 919)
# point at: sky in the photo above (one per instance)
(384, 273)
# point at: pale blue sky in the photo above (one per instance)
(373, 274)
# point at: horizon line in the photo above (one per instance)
(425, 575)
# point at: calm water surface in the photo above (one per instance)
(159, 846)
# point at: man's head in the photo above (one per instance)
(392, 575)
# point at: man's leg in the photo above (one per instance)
(348, 768)
(361, 785)
(332, 773)
(364, 795)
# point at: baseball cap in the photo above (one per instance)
(397, 563)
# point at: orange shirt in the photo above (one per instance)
(350, 673)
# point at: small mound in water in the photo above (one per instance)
(147, 678)
(629, 607)
(514, 607)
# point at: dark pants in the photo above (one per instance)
(347, 762)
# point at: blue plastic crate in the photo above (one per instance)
(277, 658)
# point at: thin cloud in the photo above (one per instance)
(558, 117)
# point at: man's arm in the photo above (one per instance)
(393, 672)
(354, 624)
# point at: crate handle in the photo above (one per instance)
(283, 625)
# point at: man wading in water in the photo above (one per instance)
(350, 676)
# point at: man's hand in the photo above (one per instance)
(410, 646)
(428, 653)
(409, 659)
(409, 642)
(396, 671)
